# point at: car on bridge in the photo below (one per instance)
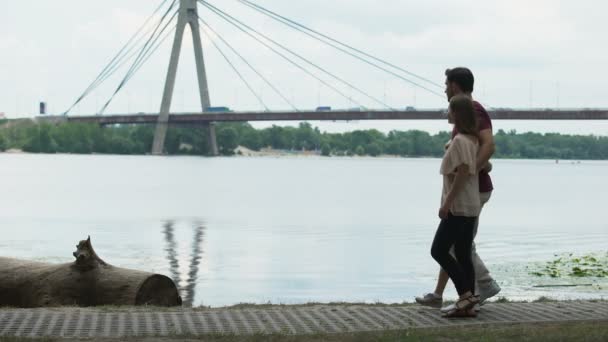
(217, 110)
(323, 109)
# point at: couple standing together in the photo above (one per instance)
(466, 188)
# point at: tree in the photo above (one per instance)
(276, 137)
(373, 149)
(360, 151)
(143, 135)
(40, 140)
(325, 151)
(251, 139)
(306, 137)
(422, 144)
(2, 143)
(227, 140)
(173, 140)
(133, 139)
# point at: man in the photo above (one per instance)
(460, 81)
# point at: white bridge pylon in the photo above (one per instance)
(188, 15)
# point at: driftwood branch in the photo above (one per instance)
(88, 281)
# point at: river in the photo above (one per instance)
(298, 229)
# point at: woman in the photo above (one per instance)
(459, 206)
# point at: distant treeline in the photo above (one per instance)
(137, 139)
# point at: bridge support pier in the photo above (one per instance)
(188, 15)
(211, 138)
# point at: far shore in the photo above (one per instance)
(242, 151)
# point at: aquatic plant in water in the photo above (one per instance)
(590, 265)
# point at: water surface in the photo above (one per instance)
(296, 230)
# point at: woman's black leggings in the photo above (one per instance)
(456, 231)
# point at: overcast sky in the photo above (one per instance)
(523, 53)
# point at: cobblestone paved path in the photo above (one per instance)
(114, 323)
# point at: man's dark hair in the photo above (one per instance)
(463, 77)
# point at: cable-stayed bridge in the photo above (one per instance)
(334, 115)
(172, 17)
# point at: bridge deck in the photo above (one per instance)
(117, 323)
(201, 118)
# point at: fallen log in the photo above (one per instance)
(88, 281)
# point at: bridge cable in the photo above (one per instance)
(158, 41)
(217, 11)
(235, 69)
(142, 56)
(268, 12)
(119, 64)
(152, 51)
(210, 6)
(156, 44)
(303, 29)
(123, 60)
(292, 62)
(117, 61)
(112, 65)
(248, 64)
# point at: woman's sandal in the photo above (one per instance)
(467, 303)
(463, 308)
(470, 313)
(462, 304)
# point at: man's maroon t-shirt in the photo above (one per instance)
(485, 182)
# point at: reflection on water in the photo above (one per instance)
(187, 285)
(171, 250)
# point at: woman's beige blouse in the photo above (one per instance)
(462, 150)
